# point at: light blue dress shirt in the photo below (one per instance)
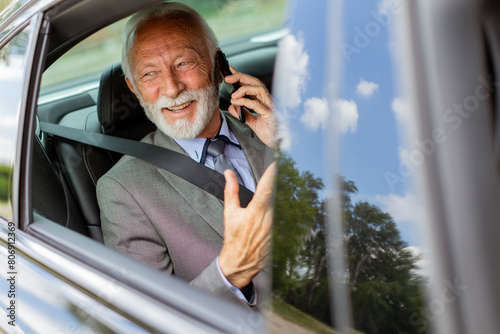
(194, 148)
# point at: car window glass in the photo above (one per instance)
(301, 298)
(367, 246)
(12, 59)
(386, 273)
(229, 20)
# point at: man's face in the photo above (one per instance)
(172, 72)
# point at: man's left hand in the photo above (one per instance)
(263, 124)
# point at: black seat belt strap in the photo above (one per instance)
(174, 162)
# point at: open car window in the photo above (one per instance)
(66, 215)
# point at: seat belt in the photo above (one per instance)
(178, 164)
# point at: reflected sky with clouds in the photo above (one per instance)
(372, 112)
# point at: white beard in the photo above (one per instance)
(183, 129)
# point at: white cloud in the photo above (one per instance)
(366, 88)
(291, 71)
(284, 136)
(406, 123)
(348, 112)
(401, 110)
(402, 208)
(422, 262)
(316, 113)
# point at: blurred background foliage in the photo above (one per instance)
(4, 3)
(5, 175)
(229, 20)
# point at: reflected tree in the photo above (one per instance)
(297, 209)
(384, 284)
(16, 46)
(5, 175)
(382, 277)
(4, 53)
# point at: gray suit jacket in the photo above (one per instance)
(162, 220)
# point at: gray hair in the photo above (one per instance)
(164, 11)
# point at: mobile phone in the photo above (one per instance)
(231, 88)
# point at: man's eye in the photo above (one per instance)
(185, 65)
(148, 75)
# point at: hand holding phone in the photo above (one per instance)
(262, 120)
(231, 88)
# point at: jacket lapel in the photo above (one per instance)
(206, 205)
(258, 155)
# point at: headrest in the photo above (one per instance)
(118, 109)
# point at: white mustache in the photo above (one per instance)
(186, 96)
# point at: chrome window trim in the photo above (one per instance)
(22, 160)
(22, 17)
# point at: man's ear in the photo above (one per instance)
(219, 75)
(132, 88)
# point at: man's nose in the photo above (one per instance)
(171, 85)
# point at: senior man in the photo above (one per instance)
(158, 218)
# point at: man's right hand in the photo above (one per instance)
(247, 232)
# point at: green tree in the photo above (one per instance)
(384, 285)
(297, 208)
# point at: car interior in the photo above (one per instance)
(67, 172)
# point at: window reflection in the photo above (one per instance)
(301, 272)
(383, 241)
(11, 69)
(383, 275)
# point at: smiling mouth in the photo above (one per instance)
(180, 107)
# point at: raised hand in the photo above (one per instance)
(247, 233)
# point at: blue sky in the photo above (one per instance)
(368, 99)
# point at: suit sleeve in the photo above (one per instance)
(126, 228)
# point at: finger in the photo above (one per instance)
(243, 78)
(254, 105)
(234, 110)
(237, 110)
(258, 92)
(265, 186)
(231, 196)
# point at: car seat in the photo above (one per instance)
(117, 113)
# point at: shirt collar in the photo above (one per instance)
(194, 147)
